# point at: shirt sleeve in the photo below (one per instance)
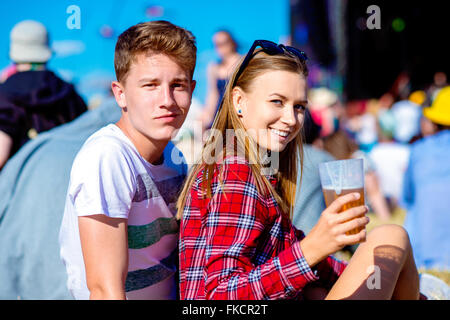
(101, 181)
(235, 223)
(328, 270)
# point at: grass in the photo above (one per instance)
(397, 217)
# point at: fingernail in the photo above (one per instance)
(357, 195)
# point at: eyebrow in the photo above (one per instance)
(177, 79)
(284, 98)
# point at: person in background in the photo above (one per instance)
(30, 267)
(439, 82)
(32, 99)
(425, 193)
(324, 110)
(218, 74)
(390, 159)
(407, 116)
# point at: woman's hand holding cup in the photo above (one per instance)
(329, 234)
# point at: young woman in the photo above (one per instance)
(236, 237)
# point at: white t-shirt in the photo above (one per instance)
(390, 160)
(110, 177)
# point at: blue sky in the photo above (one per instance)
(84, 54)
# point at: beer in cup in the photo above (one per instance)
(341, 177)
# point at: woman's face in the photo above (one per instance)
(223, 44)
(272, 110)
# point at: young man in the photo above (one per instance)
(119, 236)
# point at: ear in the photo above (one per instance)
(119, 93)
(193, 84)
(239, 99)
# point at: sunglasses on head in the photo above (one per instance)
(271, 48)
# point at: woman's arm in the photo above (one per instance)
(104, 242)
(328, 270)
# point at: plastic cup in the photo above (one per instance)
(341, 177)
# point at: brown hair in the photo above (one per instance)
(227, 118)
(154, 37)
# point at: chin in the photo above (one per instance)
(277, 147)
(160, 135)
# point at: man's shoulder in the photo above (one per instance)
(105, 140)
(103, 145)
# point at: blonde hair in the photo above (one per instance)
(227, 118)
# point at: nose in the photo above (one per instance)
(166, 96)
(289, 117)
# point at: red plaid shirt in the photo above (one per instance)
(239, 245)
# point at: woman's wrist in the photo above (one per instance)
(311, 254)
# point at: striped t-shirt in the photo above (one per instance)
(110, 177)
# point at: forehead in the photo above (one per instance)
(289, 84)
(221, 36)
(156, 65)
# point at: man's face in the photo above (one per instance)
(155, 98)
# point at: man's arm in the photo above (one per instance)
(104, 242)
(5, 148)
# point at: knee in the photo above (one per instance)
(390, 234)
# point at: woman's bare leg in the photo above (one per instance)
(382, 268)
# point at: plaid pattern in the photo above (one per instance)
(239, 245)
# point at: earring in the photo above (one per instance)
(239, 111)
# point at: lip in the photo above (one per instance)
(282, 130)
(281, 137)
(167, 117)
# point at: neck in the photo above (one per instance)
(231, 57)
(149, 149)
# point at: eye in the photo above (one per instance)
(149, 85)
(299, 107)
(277, 102)
(178, 85)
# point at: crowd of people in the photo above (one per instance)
(102, 204)
(404, 169)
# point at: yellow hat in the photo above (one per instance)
(418, 97)
(439, 112)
